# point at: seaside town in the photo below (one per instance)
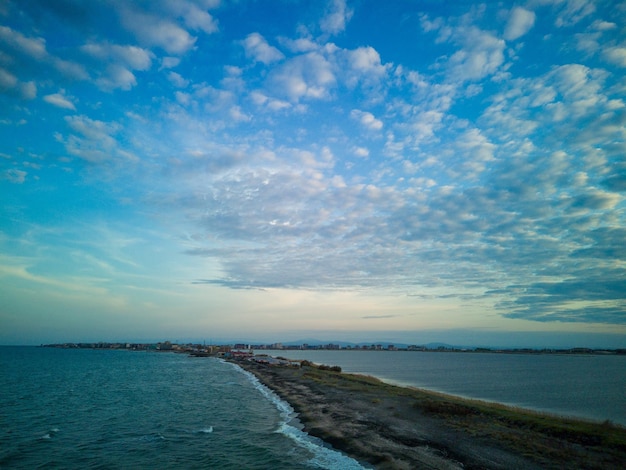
(243, 349)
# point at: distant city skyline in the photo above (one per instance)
(360, 171)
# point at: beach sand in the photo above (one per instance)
(390, 427)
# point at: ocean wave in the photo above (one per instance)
(49, 434)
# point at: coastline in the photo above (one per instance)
(393, 427)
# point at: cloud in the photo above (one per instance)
(257, 48)
(33, 47)
(595, 200)
(363, 67)
(9, 84)
(60, 100)
(519, 23)
(28, 57)
(481, 55)
(337, 15)
(306, 76)
(14, 176)
(600, 25)
(169, 62)
(592, 299)
(7, 79)
(325, 167)
(132, 57)
(367, 61)
(361, 152)
(303, 44)
(93, 140)
(195, 17)
(177, 80)
(616, 55)
(572, 11)
(366, 119)
(119, 62)
(157, 31)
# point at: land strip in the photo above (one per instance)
(391, 427)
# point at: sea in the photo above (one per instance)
(585, 386)
(113, 409)
(117, 409)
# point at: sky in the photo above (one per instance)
(408, 171)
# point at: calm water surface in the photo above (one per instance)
(104, 409)
(586, 386)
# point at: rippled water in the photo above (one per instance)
(63, 408)
(585, 386)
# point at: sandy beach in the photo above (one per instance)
(390, 427)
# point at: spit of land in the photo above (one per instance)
(392, 427)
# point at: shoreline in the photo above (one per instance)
(394, 427)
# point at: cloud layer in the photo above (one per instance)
(484, 164)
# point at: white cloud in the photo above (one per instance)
(600, 25)
(116, 76)
(236, 114)
(572, 11)
(182, 98)
(7, 79)
(28, 90)
(60, 100)
(261, 99)
(95, 141)
(366, 60)
(32, 47)
(616, 55)
(338, 14)
(169, 62)
(481, 55)
(305, 76)
(11, 85)
(300, 44)
(361, 152)
(135, 57)
(177, 80)
(70, 69)
(132, 57)
(366, 119)
(197, 19)
(14, 176)
(153, 30)
(520, 22)
(258, 49)
(119, 62)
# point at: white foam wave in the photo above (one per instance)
(206, 430)
(323, 456)
(49, 434)
(151, 438)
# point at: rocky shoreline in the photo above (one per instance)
(391, 427)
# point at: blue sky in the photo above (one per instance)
(275, 170)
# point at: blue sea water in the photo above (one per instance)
(106, 409)
(584, 386)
